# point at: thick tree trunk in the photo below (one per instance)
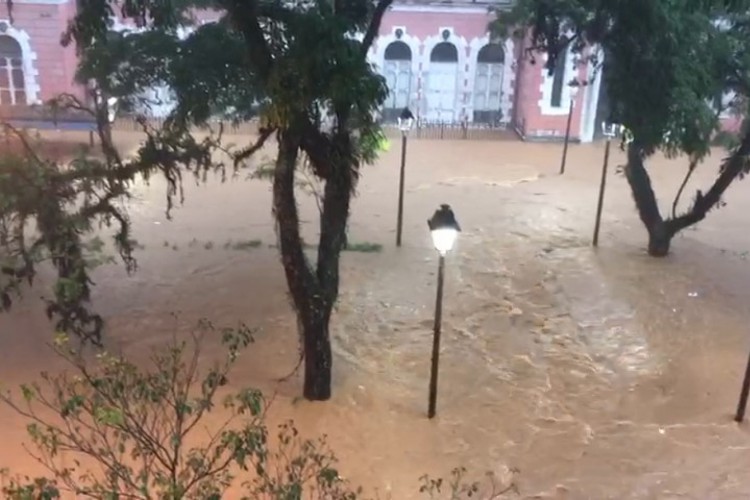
(659, 240)
(312, 308)
(318, 356)
(659, 233)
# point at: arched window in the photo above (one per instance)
(441, 86)
(12, 84)
(558, 79)
(488, 84)
(397, 72)
(444, 52)
(397, 51)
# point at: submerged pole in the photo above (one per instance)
(742, 406)
(602, 186)
(567, 137)
(400, 221)
(436, 340)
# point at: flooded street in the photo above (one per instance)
(596, 373)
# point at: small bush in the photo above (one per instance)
(135, 425)
(136, 428)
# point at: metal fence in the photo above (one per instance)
(133, 124)
(431, 130)
(452, 130)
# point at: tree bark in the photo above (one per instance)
(318, 355)
(310, 302)
(659, 233)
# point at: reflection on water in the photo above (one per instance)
(598, 374)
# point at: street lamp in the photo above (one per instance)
(573, 94)
(610, 131)
(444, 230)
(405, 122)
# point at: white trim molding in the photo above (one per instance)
(509, 75)
(40, 2)
(28, 58)
(443, 9)
(590, 101)
(377, 56)
(429, 43)
(383, 41)
(545, 103)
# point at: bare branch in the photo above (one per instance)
(240, 156)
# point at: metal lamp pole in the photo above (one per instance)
(405, 121)
(610, 131)
(742, 405)
(436, 333)
(444, 229)
(573, 94)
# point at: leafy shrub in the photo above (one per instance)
(139, 429)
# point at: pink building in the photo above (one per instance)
(437, 58)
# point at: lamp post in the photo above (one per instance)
(444, 230)
(610, 131)
(742, 405)
(573, 95)
(405, 122)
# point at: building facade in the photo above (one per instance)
(436, 56)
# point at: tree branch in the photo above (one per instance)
(691, 169)
(265, 133)
(244, 16)
(374, 28)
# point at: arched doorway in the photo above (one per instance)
(442, 81)
(397, 72)
(12, 82)
(488, 84)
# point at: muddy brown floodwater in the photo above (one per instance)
(598, 374)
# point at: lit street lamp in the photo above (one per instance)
(405, 122)
(610, 131)
(444, 230)
(573, 94)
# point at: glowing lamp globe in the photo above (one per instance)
(111, 109)
(574, 89)
(444, 229)
(610, 129)
(405, 120)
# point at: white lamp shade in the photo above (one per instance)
(406, 124)
(444, 239)
(574, 91)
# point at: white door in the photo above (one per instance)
(488, 87)
(398, 78)
(440, 93)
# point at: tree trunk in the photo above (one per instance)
(659, 239)
(310, 304)
(318, 356)
(659, 233)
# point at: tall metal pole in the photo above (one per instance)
(567, 137)
(436, 339)
(742, 406)
(601, 194)
(400, 222)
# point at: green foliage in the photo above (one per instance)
(46, 212)
(109, 428)
(139, 427)
(456, 487)
(664, 60)
(364, 247)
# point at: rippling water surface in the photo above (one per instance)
(596, 373)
